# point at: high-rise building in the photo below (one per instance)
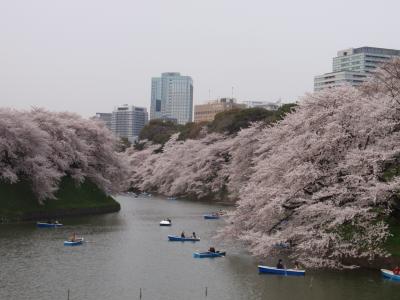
(206, 112)
(352, 66)
(172, 97)
(104, 117)
(127, 121)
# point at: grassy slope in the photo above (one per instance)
(393, 243)
(17, 200)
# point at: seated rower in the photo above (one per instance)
(194, 235)
(280, 264)
(72, 238)
(396, 270)
(183, 234)
(212, 249)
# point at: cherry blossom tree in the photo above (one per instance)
(42, 147)
(317, 185)
(190, 168)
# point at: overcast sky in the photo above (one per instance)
(88, 56)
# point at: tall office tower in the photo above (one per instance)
(127, 121)
(172, 98)
(352, 66)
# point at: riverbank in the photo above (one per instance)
(18, 202)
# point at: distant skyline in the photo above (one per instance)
(90, 56)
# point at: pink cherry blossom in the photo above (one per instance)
(41, 147)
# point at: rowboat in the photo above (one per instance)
(389, 275)
(211, 217)
(48, 225)
(76, 242)
(285, 272)
(176, 238)
(208, 254)
(165, 223)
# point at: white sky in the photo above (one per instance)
(88, 56)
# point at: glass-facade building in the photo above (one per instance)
(127, 121)
(352, 66)
(172, 97)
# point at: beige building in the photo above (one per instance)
(206, 112)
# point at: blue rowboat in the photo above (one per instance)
(285, 272)
(389, 275)
(77, 242)
(176, 238)
(208, 254)
(211, 217)
(48, 225)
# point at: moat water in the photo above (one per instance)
(127, 255)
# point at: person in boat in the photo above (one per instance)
(212, 249)
(280, 264)
(194, 235)
(296, 265)
(169, 220)
(183, 234)
(396, 270)
(72, 238)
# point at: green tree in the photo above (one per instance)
(191, 131)
(159, 131)
(231, 121)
